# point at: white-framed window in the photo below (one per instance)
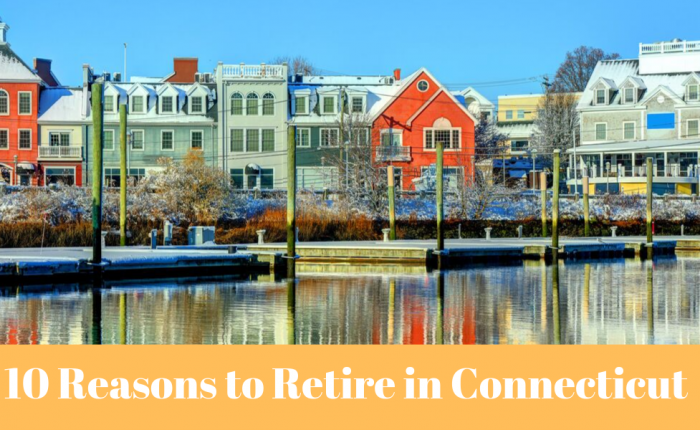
(237, 140)
(108, 140)
(601, 131)
(357, 104)
(252, 140)
(629, 130)
(251, 104)
(236, 104)
(25, 102)
(423, 86)
(330, 137)
(25, 139)
(453, 174)
(137, 140)
(600, 96)
(521, 113)
(268, 104)
(137, 104)
(240, 180)
(197, 139)
(509, 114)
(167, 140)
(693, 128)
(109, 104)
(628, 95)
(303, 138)
(693, 92)
(59, 138)
(196, 105)
(4, 139)
(4, 103)
(450, 137)
(359, 136)
(268, 140)
(301, 105)
(391, 137)
(328, 105)
(166, 104)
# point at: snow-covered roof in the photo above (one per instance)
(145, 80)
(470, 92)
(515, 130)
(61, 105)
(346, 80)
(12, 68)
(639, 146)
(617, 71)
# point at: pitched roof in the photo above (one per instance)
(12, 68)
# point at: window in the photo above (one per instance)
(59, 175)
(423, 86)
(237, 140)
(109, 104)
(136, 174)
(25, 103)
(241, 180)
(59, 138)
(693, 92)
(112, 177)
(268, 140)
(4, 139)
(509, 114)
(166, 104)
(167, 140)
(251, 104)
(329, 137)
(693, 128)
(137, 104)
(521, 114)
(629, 95)
(391, 137)
(25, 139)
(137, 143)
(108, 140)
(237, 104)
(268, 107)
(196, 139)
(303, 138)
(359, 136)
(300, 105)
(4, 103)
(237, 177)
(196, 105)
(450, 138)
(252, 140)
(601, 131)
(267, 179)
(629, 130)
(358, 105)
(600, 97)
(519, 145)
(329, 105)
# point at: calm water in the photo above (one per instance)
(601, 302)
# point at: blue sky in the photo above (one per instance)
(461, 42)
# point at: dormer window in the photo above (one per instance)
(693, 92)
(166, 104)
(196, 105)
(328, 105)
(109, 104)
(628, 95)
(600, 97)
(357, 104)
(137, 105)
(301, 105)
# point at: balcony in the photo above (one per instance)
(393, 153)
(669, 47)
(60, 152)
(254, 71)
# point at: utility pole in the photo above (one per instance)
(555, 206)
(291, 202)
(97, 124)
(122, 174)
(392, 202)
(650, 200)
(343, 146)
(543, 192)
(438, 198)
(586, 208)
(125, 62)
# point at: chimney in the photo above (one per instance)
(397, 74)
(184, 70)
(3, 32)
(42, 67)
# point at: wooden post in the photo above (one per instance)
(392, 202)
(543, 192)
(438, 196)
(586, 208)
(291, 201)
(122, 174)
(555, 204)
(97, 134)
(650, 199)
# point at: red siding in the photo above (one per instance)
(14, 122)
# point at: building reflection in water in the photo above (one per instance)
(594, 302)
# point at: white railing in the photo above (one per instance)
(60, 152)
(254, 71)
(669, 47)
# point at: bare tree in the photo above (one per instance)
(474, 196)
(556, 125)
(573, 74)
(298, 65)
(489, 142)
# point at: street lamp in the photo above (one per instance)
(533, 154)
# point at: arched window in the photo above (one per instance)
(268, 104)
(236, 104)
(4, 103)
(251, 107)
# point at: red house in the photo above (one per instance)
(406, 130)
(19, 104)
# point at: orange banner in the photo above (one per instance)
(182, 387)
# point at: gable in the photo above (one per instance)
(442, 108)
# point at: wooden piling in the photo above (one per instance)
(555, 203)
(543, 192)
(392, 202)
(97, 141)
(650, 199)
(438, 196)
(123, 174)
(291, 201)
(586, 209)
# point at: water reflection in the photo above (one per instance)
(596, 302)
